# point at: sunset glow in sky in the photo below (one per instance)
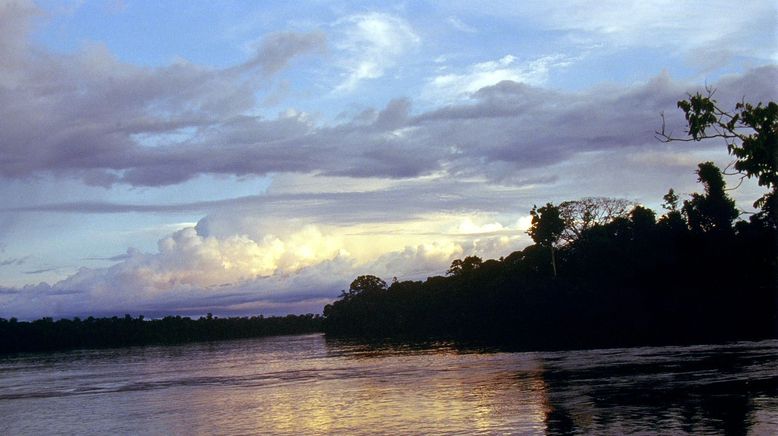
(242, 157)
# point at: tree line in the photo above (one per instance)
(601, 272)
(46, 334)
(604, 272)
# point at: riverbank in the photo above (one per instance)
(47, 334)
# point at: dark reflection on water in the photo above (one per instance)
(305, 384)
(701, 389)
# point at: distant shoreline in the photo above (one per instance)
(47, 334)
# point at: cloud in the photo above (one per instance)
(281, 250)
(393, 190)
(665, 23)
(688, 29)
(40, 271)
(88, 115)
(119, 257)
(505, 133)
(91, 116)
(14, 261)
(325, 200)
(460, 25)
(520, 126)
(370, 44)
(452, 86)
(276, 50)
(279, 267)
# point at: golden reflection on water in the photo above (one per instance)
(429, 393)
(305, 385)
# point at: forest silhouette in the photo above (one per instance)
(606, 273)
(602, 272)
(632, 280)
(46, 334)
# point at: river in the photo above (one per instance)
(309, 385)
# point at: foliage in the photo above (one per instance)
(581, 215)
(670, 201)
(366, 283)
(632, 280)
(464, 266)
(547, 225)
(546, 228)
(642, 218)
(750, 133)
(714, 210)
(46, 334)
(625, 278)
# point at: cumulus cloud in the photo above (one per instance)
(308, 265)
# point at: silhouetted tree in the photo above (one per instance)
(580, 215)
(672, 220)
(366, 284)
(546, 228)
(464, 266)
(670, 201)
(714, 210)
(628, 278)
(643, 219)
(751, 135)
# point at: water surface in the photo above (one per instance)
(306, 384)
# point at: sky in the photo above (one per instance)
(241, 157)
